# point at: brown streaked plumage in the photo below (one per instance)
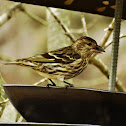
(64, 63)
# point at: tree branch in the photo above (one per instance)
(108, 33)
(4, 101)
(41, 81)
(109, 43)
(64, 27)
(84, 25)
(32, 16)
(18, 6)
(104, 69)
(7, 15)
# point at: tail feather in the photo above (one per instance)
(12, 63)
(20, 63)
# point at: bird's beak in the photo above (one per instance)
(99, 49)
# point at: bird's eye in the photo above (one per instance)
(89, 44)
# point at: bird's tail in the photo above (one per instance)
(21, 62)
(12, 63)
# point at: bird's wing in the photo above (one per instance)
(38, 58)
(63, 55)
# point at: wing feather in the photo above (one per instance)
(64, 55)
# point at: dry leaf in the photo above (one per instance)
(113, 6)
(105, 2)
(101, 9)
(68, 2)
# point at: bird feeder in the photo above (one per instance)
(60, 105)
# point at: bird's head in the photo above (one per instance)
(86, 46)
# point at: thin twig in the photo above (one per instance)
(20, 119)
(64, 27)
(104, 69)
(18, 6)
(109, 43)
(108, 33)
(41, 81)
(84, 24)
(7, 15)
(32, 16)
(5, 101)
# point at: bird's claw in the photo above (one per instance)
(48, 85)
(69, 85)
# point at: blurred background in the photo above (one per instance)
(22, 36)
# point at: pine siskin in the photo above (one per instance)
(63, 63)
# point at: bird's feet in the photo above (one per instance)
(68, 84)
(53, 84)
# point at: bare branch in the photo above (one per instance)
(5, 101)
(67, 31)
(6, 16)
(18, 6)
(109, 43)
(32, 16)
(84, 25)
(41, 81)
(104, 69)
(108, 33)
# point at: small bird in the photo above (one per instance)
(63, 63)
